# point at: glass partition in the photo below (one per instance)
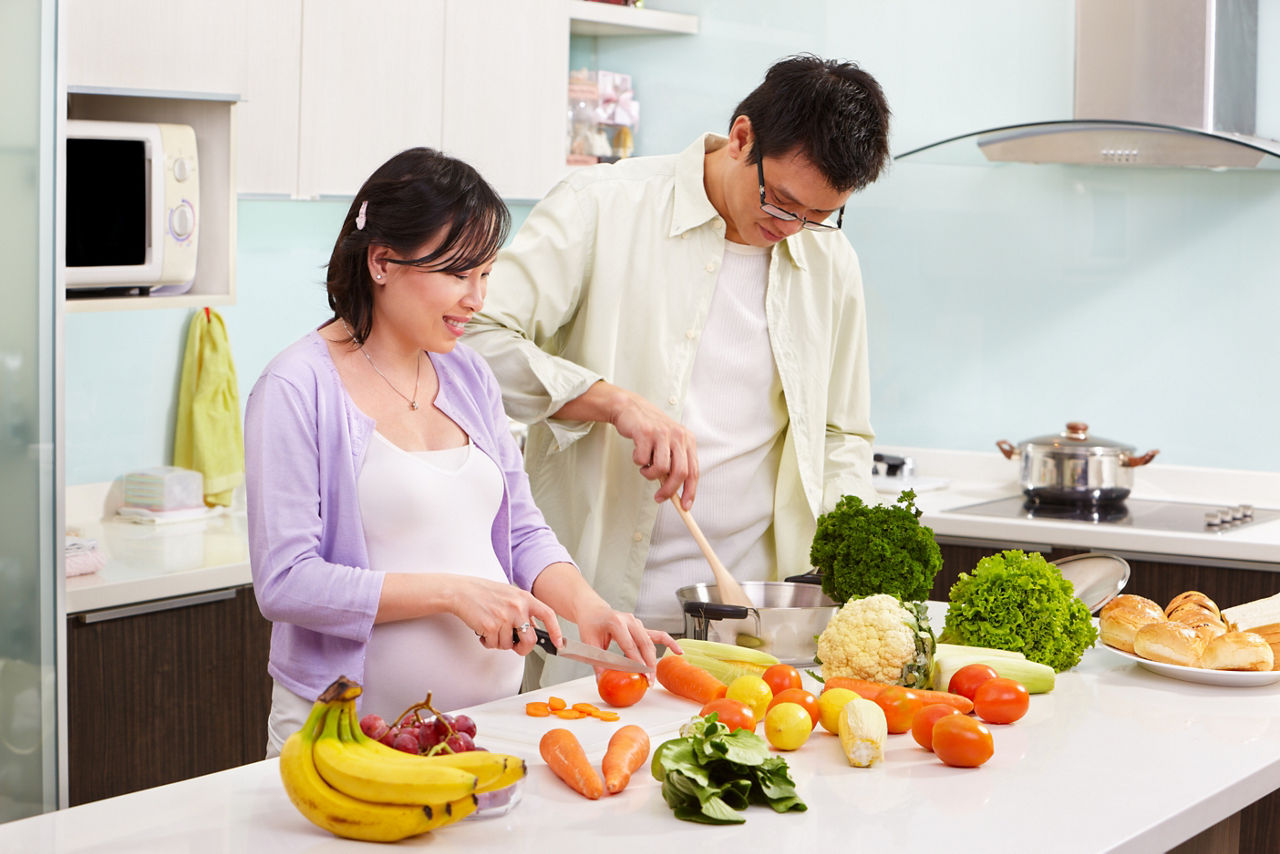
(29, 590)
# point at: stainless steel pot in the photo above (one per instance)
(786, 619)
(1073, 467)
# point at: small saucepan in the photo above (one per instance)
(1073, 467)
(787, 617)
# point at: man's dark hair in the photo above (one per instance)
(414, 196)
(833, 112)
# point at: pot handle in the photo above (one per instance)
(716, 611)
(807, 578)
(1140, 461)
(1006, 447)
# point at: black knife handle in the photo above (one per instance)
(544, 639)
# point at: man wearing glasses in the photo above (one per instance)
(696, 321)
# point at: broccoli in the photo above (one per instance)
(1020, 602)
(863, 550)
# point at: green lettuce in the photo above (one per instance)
(1020, 602)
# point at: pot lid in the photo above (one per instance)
(1096, 577)
(1076, 439)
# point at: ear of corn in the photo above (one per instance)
(863, 730)
(725, 661)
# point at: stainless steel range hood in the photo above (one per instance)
(1157, 83)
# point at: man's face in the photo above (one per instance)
(791, 183)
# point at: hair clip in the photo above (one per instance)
(360, 217)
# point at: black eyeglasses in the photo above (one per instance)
(786, 215)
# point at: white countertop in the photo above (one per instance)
(152, 561)
(1115, 759)
(975, 477)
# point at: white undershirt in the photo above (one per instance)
(736, 412)
(432, 511)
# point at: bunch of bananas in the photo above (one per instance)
(356, 787)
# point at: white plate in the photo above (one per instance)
(1229, 678)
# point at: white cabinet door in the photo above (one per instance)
(191, 46)
(372, 75)
(267, 118)
(505, 83)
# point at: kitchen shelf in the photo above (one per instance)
(606, 19)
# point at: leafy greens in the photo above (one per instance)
(862, 550)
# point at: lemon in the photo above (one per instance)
(829, 705)
(787, 726)
(753, 691)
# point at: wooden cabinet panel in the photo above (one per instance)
(165, 696)
(192, 46)
(267, 118)
(371, 86)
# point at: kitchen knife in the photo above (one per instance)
(579, 651)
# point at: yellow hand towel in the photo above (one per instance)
(208, 438)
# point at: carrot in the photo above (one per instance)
(689, 680)
(869, 690)
(606, 715)
(537, 710)
(569, 714)
(627, 751)
(564, 755)
(555, 704)
(585, 708)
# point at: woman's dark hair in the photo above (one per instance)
(833, 112)
(409, 200)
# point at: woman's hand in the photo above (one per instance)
(502, 615)
(601, 626)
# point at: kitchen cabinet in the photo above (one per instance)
(156, 45)
(267, 117)
(164, 691)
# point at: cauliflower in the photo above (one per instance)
(880, 639)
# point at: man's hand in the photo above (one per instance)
(665, 451)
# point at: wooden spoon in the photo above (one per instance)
(731, 592)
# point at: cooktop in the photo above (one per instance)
(1133, 512)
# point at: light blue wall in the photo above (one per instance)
(1002, 301)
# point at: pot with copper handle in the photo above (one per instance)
(1074, 467)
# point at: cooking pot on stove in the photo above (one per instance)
(787, 617)
(1073, 467)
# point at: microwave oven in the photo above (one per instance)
(132, 206)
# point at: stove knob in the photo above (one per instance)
(1237, 513)
(1247, 510)
(1212, 519)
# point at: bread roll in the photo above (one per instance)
(1129, 600)
(1117, 627)
(1194, 615)
(1194, 596)
(1169, 642)
(1238, 651)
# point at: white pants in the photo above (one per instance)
(288, 713)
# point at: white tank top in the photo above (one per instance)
(736, 411)
(432, 511)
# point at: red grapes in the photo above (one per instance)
(412, 734)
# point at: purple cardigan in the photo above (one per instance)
(305, 442)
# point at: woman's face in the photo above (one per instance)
(424, 306)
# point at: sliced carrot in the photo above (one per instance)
(569, 714)
(555, 703)
(564, 755)
(537, 710)
(868, 691)
(585, 708)
(606, 716)
(627, 751)
(688, 680)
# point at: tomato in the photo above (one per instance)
(962, 741)
(966, 680)
(802, 698)
(734, 714)
(1001, 701)
(621, 689)
(900, 706)
(922, 725)
(781, 677)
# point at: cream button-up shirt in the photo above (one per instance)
(611, 277)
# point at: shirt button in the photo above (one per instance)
(684, 235)
(691, 334)
(673, 400)
(711, 268)
(637, 536)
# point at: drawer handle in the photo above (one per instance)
(156, 605)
